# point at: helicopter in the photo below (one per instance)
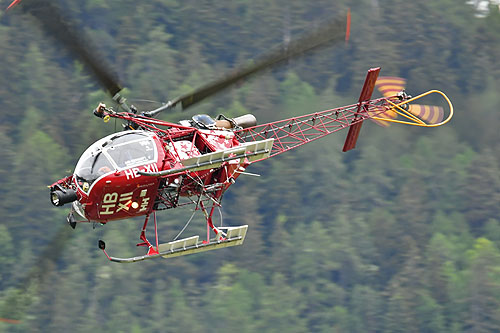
(155, 165)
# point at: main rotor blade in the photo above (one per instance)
(329, 33)
(55, 23)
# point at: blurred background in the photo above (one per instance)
(401, 234)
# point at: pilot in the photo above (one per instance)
(104, 169)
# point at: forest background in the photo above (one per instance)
(401, 234)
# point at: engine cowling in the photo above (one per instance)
(245, 121)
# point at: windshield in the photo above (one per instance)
(116, 151)
(136, 151)
(92, 166)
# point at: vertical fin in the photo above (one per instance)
(366, 95)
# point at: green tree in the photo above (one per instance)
(412, 210)
(366, 305)
(281, 307)
(390, 244)
(410, 308)
(297, 95)
(483, 288)
(482, 190)
(231, 303)
(244, 210)
(439, 253)
(39, 162)
(171, 312)
(7, 255)
(153, 70)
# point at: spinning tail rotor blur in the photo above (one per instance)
(400, 103)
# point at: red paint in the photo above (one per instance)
(348, 26)
(10, 321)
(366, 94)
(110, 186)
(14, 3)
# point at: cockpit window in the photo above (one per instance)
(116, 151)
(132, 153)
(119, 139)
(92, 166)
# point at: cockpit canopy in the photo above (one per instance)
(114, 152)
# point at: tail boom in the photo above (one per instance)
(297, 131)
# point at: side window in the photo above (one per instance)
(91, 167)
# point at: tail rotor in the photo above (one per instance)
(398, 103)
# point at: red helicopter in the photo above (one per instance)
(156, 165)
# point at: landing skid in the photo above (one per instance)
(224, 237)
(234, 236)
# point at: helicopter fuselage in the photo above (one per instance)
(110, 181)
